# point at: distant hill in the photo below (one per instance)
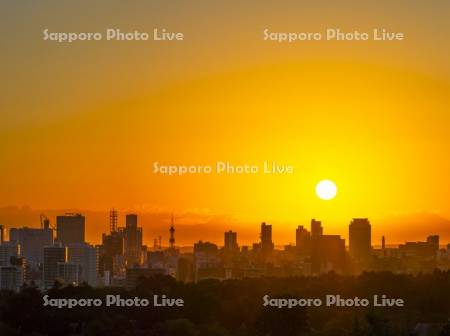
(413, 227)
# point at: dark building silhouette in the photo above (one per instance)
(112, 246)
(133, 275)
(110, 250)
(302, 241)
(316, 234)
(267, 245)
(426, 249)
(316, 228)
(68, 273)
(331, 254)
(32, 241)
(52, 256)
(359, 233)
(327, 251)
(230, 241)
(207, 262)
(86, 256)
(70, 229)
(132, 240)
(434, 242)
(10, 278)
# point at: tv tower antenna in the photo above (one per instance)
(172, 234)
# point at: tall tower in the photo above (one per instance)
(113, 220)
(172, 234)
(359, 233)
(267, 245)
(132, 240)
(230, 241)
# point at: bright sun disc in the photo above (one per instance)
(326, 189)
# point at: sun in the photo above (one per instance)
(326, 189)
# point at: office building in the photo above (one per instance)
(302, 241)
(32, 242)
(207, 262)
(52, 256)
(11, 278)
(68, 273)
(86, 256)
(316, 228)
(132, 240)
(433, 241)
(2, 234)
(332, 253)
(111, 252)
(7, 251)
(230, 241)
(70, 229)
(267, 245)
(359, 234)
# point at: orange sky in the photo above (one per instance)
(83, 123)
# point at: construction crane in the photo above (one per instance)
(45, 222)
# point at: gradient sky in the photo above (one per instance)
(82, 123)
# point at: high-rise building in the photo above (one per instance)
(206, 254)
(2, 234)
(316, 228)
(267, 245)
(52, 256)
(316, 255)
(359, 234)
(70, 228)
(32, 242)
(12, 267)
(434, 242)
(327, 251)
(302, 241)
(86, 256)
(132, 240)
(230, 241)
(68, 273)
(207, 262)
(331, 253)
(7, 251)
(11, 278)
(111, 252)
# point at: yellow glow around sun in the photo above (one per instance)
(326, 189)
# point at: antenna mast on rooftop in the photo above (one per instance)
(172, 234)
